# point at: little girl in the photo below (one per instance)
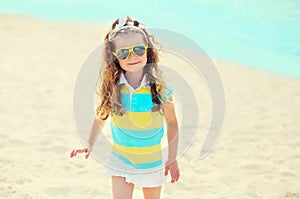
(135, 96)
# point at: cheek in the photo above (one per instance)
(122, 63)
(144, 58)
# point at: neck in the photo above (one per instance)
(134, 78)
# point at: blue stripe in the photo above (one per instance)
(139, 102)
(170, 91)
(136, 138)
(139, 166)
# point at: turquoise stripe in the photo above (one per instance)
(136, 138)
(139, 166)
(170, 91)
(139, 102)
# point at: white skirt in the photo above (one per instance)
(153, 177)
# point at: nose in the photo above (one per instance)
(131, 55)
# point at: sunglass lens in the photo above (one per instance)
(122, 53)
(139, 50)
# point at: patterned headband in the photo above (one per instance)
(122, 26)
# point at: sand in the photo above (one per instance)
(257, 155)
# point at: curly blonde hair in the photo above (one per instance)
(108, 90)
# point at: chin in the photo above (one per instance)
(135, 69)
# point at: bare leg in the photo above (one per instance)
(121, 189)
(152, 192)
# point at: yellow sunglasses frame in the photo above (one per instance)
(130, 48)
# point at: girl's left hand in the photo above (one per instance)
(172, 166)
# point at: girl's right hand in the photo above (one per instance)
(87, 150)
(76, 151)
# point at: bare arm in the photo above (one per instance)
(97, 127)
(172, 132)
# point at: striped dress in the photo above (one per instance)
(137, 134)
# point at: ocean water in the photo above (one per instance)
(261, 34)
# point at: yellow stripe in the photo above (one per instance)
(142, 90)
(139, 155)
(124, 89)
(138, 120)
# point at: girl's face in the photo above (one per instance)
(132, 63)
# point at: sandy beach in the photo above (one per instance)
(257, 156)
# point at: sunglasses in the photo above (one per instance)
(123, 53)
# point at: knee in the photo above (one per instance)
(152, 192)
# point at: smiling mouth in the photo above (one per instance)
(133, 63)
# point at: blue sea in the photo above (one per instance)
(261, 34)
